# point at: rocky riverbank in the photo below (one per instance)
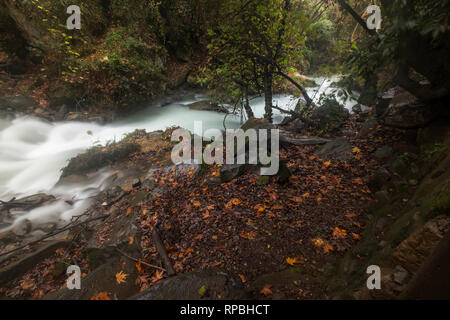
(368, 195)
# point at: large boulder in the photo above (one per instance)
(338, 149)
(16, 103)
(330, 115)
(399, 108)
(413, 251)
(198, 285)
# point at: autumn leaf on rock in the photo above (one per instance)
(101, 296)
(139, 266)
(120, 277)
(266, 290)
(158, 276)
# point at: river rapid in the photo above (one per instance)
(33, 151)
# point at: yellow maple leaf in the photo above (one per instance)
(327, 164)
(356, 150)
(120, 277)
(294, 261)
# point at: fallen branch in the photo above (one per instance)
(162, 251)
(140, 261)
(294, 115)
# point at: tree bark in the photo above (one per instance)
(25, 26)
(356, 16)
(247, 107)
(268, 95)
(308, 99)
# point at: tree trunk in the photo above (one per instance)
(268, 96)
(25, 26)
(247, 107)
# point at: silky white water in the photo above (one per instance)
(33, 152)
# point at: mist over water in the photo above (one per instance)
(33, 151)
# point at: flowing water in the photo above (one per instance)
(33, 152)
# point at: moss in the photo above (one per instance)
(98, 157)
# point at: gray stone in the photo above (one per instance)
(338, 149)
(17, 103)
(136, 183)
(20, 267)
(75, 116)
(229, 172)
(368, 127)
(400, 275)
(400, 167)
(198, 285)
(383, 152)
(377, 180)
(22, 227)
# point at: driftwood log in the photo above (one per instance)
(162, 251)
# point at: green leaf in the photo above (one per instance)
(202, 291)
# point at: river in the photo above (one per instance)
(33, 152)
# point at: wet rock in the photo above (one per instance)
(284, 173)
(207, 105)
(215, 285)
(62, 111)
(229, 172)
(75, 116)
(383, 152)
(400, 275)
(413, 251)
(368, 127)
(399, 108)
(22, 227)
(263, 180)
(136, 183)
(357, 108)
(97, 119)
(382, 196)
(103, 279)
(338, 149)
(17, 103)
(400, 167)
(331, 115)
(377, 180)
(20, 267)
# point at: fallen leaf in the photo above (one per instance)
(294, 261)
(242, 278)
(266, 290)
(339, 233)
(158, 276)
(101, 296)
(120, 277)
